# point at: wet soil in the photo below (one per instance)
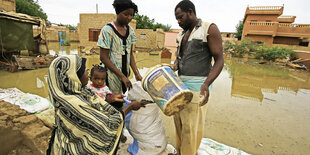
(21, 133)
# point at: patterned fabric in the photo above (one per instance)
(109, 39)
(102, 91)
(85, 123)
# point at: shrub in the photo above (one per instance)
(273, 53)
(239, 49)
(67, 42)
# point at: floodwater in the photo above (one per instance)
(258, 108)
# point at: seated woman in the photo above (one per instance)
(84, 122)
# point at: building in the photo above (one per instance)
(148, 40)
(171, 44)
(228, 36)
(90, 26)
(7, 5)
(57, 33)
(267, 24)
(13, 27)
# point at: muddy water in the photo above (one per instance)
(261, 109)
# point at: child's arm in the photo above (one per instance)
(134, 66)
(108, 98)
(114, 98)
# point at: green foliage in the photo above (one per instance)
(70, 27)
(166, 28)
(144, 22)
(30, 7)
(239, 29)
(273, 53)
(239, 49)
(67, 42)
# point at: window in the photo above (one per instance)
(143, 36)
(93, 34)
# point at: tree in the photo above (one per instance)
(70, 27)
(144, 22)
(30, 7)
(239, 28)
(164, 27)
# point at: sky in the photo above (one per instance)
(224, 13)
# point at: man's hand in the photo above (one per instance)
(204, 91)
(174, 66)
(118, 98)
(138, 77)
(135, 105)
(126, 82)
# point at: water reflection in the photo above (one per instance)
(262, 109)
(56, 48)
(251, 80)
(28, 81)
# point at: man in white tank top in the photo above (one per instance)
(198, 44)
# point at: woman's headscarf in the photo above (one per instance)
(85, 123)
(121, 5)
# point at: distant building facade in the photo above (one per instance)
(267, 24)
(148, 39)
(7, 5)
(228, 36)
(90, 26)
(171, 42)
(56, 33)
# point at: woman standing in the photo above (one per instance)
(116, 42)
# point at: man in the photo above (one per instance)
(198, 44)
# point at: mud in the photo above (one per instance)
(21, 133)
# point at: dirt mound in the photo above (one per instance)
(21, 132)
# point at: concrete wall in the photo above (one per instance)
(171, 39)
(262, 18)
(52, 33)
(94, 21)
(7, 5)
(286, 40)
(160, 37)
(149, 39)
(261, 38)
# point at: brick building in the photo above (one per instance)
(149, 39)
(90, 26)
(267, 24)
(7, 5)
(55, 33)
(228, 36)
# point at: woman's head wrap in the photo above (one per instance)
(121, 5)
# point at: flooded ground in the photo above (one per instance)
(258, 108)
